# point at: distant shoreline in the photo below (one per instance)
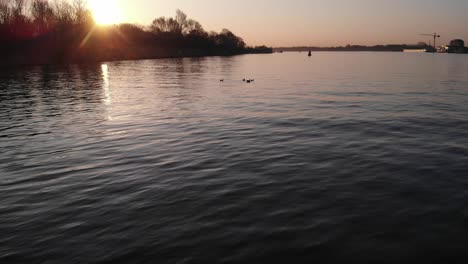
(377, 48)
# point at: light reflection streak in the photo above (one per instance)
(106, 86)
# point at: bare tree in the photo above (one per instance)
(5, 12)
(81, 14)
(42, 15)
(158, 25)
(18, 7)
(63, 13)
(180, 24)
(181, 18)
(163, 24)
(193, 27)
(19, 19)
(185, 25)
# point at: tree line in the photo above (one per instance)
(60, 31)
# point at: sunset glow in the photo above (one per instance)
(311, 22)
(106, 12)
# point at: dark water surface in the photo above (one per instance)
(338, 157)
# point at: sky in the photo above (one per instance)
(314, 22)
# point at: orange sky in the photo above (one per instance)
(313, 22)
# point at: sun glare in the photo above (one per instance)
(106, 12)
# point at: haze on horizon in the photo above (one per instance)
(315, 22)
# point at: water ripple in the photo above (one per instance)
(158, 162)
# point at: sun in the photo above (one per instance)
(106, 12)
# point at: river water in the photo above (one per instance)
(338, 157)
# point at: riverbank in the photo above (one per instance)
(48, 55)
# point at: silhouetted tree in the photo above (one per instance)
(228, 40)
(181, 20)
(44, 31)
(18, 8)
(20, 23)
(43, 16)
(179, 25)
(194, 28)
(63, 13)
(81, 14)
(166, 25)
(5, 12)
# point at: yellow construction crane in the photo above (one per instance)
(435, 36)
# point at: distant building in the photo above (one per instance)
(457, 43)
(456, 46)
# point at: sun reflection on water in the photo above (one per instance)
(106, 86)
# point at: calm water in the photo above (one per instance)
(342, 156)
